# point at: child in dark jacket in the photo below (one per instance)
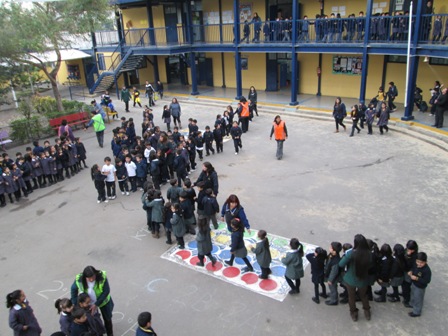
(188, 212)
(144, 325)
(122, 176)
(236, 133)
(263, 254)
(397, 273)
(237, 246)
(218, 137)
(180, 166)
(208, 139)
(211, 208)
(167, 215)
(386, 262)
(65, 307)
(199, 143)
(100, 184)
(94, 322)
(420, 275)
(317, 262)
(141, 172)
(332, 272)
(82, 153)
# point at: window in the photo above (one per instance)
(101, 62)
(438, 61)
(396, 59)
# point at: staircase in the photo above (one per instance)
(119, 65)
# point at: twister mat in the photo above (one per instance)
(275, 287)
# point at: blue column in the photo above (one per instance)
(152, 38)
(413, 62)
(294, 69)
(239, 80)
(220, 21)
(155, 65)
(189, 30)
(194, 81)
(365, 56)
(236, 20)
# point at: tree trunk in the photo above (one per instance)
(57, 95)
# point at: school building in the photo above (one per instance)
(302, 46)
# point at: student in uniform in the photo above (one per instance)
(317, 262)
(237, 246)
(263, 254)
(204, 241)
(21, 316)
(144, 325)
(420, 275)
(294, 266)
(332, 272)
(236, 133)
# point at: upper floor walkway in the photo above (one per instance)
(379, 35)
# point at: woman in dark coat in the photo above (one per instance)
(252, 96)
(383, 118)
(176, 112)
(204, 241)
(166, 117)
(209, 177)
(358, 260)
(339, 113)
(232, 209)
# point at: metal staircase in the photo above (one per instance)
(106, 79)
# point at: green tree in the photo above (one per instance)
(47, 26)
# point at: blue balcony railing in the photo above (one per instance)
(383, 29)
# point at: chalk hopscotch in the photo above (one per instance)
(275, 287)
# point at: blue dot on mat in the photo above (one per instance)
(240, 261)
(256, 266)
(225, 254)
(278, 271)
(215, 249)
(193, 244)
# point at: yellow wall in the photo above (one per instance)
(332, 83)
(217, 68)
(308, 64)
(374, 75)
(427, 75)
(137, 16)
(63, 73)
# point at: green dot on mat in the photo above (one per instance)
(249, 235)
(280, 242)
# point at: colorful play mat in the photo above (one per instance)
(275, 287)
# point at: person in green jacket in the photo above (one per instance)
(99, 127)
(358, 260)
(294, 265)
(94, 283)
(125, 97)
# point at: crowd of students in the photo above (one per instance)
(40, 167)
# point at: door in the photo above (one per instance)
(171, 23)
(209, 71)
(283, 75)
(133, 77)
(271, 73)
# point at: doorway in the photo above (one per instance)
(171, 21)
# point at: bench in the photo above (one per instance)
(110, 113)
(74, 119)
(4, 139)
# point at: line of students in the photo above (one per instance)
(40, 167)
(363, 265)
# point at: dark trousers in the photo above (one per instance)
(369, 128)
(141, 181)
(391, 104)
(123, 185)
(209, 148)
(133, 180)
(193, 161)
(384, 128)
(155, 227)
(406, 288)
(181, 176)
(246, 261)
(219, 146)
(265, 271)
(237, 143)
(180, 241)
(316, 289)
(209, 255)
(106, 313)
(244, 124)
(100, 138)
(339, 122)
(355, 126)
(101, 194)
(352, 298)
(199, 151)
(156, 181)
(439, 118)
(126, 104)
(110, 186)
(294, 286)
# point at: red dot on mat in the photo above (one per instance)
(210, 267)
(250, 278)
(231, 272)
(268, 285)
(184, 254)
(194, 260)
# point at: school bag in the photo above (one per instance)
(423, 106)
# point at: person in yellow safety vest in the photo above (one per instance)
(98, 125)
(281, 134)
(244, 114)
(95, 284)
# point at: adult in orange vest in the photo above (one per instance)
(280, 133)
(244, 114)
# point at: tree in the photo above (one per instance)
(47, 26)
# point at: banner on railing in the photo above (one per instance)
(347, 65)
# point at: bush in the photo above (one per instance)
(47, 106)
(27, 130)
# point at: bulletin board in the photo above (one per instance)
(347, 65)
(382, 7)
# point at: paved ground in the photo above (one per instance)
(328, 187)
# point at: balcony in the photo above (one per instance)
(385, 33)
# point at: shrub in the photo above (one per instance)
(29, 129)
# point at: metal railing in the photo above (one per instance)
(383, 29)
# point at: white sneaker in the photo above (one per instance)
(113, 197)
(127, 193)
(98, 202)
(110, 197)
(122, 192)
(106, 201)
(236, 153)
